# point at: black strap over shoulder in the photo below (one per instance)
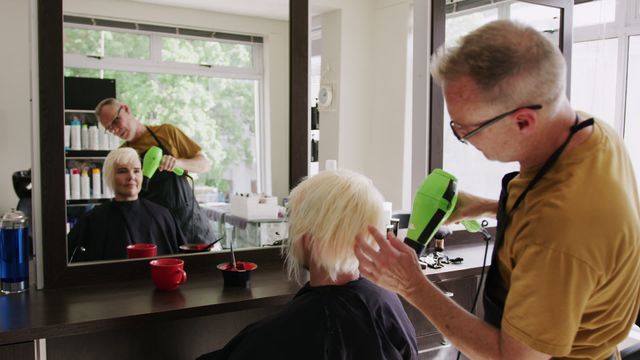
(164, 149)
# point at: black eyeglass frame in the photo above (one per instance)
(113, 122)
(486, 124)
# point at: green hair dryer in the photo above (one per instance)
(150, 164)
(433, 204)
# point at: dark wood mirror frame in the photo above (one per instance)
(56, 272)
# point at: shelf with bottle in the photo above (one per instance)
(83, 132)
(84, 183)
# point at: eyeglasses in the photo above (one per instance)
(115, 122)
(485, 124)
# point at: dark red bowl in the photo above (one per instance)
(240, 275)
(194, 248)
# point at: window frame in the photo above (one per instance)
(625, 25)
(437, 129)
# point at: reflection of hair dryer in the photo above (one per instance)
(150, 164)
(432, 205)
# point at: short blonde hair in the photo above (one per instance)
(120, 156)
(105, 102)
(511, 63)
(331, 208)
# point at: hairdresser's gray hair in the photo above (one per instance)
(120, 156)
(105, 102)
(512, 64)
(331, 208)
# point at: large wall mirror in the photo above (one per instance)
(224, 73)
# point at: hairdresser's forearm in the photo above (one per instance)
(197, 164)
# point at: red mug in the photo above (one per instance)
(167, 274)
(135, 251)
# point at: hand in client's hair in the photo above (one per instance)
(326, 212)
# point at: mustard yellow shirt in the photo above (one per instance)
(571, 254)
(172, 138)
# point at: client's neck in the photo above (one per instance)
(320, 277)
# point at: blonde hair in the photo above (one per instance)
(511, 63)
(331, 208)
(105, 102)
(121, 156)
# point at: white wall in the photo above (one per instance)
(391, 116)
(15, 96)
(364, 57)
(276, 34)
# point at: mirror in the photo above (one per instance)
(279, 50)
(205, 72)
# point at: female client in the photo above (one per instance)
(104, 232)
(337, 314)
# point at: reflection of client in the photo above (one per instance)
(105, 231)
(337, 314)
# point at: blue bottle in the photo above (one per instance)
(14, 253)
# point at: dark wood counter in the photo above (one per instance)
(131, 313)
(75, 310)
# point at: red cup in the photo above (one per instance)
(167, 274)
(135, 251)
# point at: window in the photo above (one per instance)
(594, 65)
(210, 88)
(475, 173)
(632, 114)
(594, 13)
(606, 74)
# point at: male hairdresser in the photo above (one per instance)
(165, 187)
(564, 279)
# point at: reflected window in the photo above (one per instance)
(101, 43)
(217, 102)
(205, 52)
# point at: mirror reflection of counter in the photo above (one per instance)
(243, 232)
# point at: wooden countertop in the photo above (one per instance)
(76, 310)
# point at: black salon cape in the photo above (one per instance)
(358, 320)
(106, 230)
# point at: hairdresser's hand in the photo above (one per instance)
(168, 163)
(471, 207)
(394, 267)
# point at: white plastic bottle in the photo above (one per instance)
(85, 137)
(67, 137)
(106, 191)
(67, 184)
(94, 142)
(85, 186)
(76, 141)
(75, 184)
(96, 190)
(104, 139)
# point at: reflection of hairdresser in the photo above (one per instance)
(104, 232)
(165, 188)
(337, 314)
